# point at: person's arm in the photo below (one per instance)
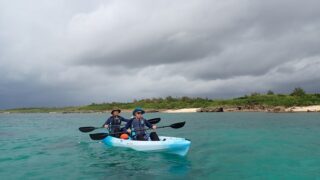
(106, 124)
(124, 119)
(128, 125)
(149, 125)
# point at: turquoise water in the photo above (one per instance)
(224, 146)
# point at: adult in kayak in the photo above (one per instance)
(114, 122)
(136, 126)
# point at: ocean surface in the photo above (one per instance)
(224, 146)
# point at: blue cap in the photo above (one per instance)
(138, 109)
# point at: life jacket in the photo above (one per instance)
(137, 127)
(114, 125)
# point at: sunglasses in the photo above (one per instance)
(138, 112)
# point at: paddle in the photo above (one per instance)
(175, 125)
(90, 128)
(100, 136)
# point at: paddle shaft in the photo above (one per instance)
(142, 129)
(100, 136)
(90, 128)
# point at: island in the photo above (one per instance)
(297, 101)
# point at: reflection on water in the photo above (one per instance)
(121, 162)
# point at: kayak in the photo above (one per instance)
(173, 145)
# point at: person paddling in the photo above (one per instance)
(114, 122)
(136, 126)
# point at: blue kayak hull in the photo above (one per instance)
(173, 145)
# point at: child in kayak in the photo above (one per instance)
(136, 126)
(114, 122)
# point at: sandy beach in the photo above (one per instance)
(315, 108)
(184, 110)
(304, 109)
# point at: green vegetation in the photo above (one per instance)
(298, 92)
(270, 92)
(297, 98)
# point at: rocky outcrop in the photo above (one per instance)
(152, 111)
(246, 108)
(277, 109)
(219, 109)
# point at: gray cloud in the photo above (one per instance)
(57, 53)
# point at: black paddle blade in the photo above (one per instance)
(178, 125)
(98, 136)
(154, 120)
(86, 129)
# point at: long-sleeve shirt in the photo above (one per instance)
(138, 125)
(112, 118)
(114, 123)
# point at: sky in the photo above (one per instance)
(76, 52)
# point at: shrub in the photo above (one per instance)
(270, 92)
(298, 92)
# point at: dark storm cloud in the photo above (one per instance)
(160, 52)
(56, 53)
(288, 33)
(164, 38)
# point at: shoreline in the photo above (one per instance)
(258, 108)
(277, 109)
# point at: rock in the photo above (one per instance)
(278, 109)
(152, 111)
(220, 109)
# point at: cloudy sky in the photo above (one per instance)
(75, 52)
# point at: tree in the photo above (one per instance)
(298, 92)
(270, 92)
(185, 98)
(169, 98)
(255, 94)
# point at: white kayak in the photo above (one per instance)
(172, 145)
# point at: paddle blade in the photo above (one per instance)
(86, 129)
(98, 136)
(178, 125)
(154, 120)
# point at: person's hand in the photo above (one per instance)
(106, 126)
(154, 127)
(129, 130)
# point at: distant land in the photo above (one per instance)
(297, 101)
